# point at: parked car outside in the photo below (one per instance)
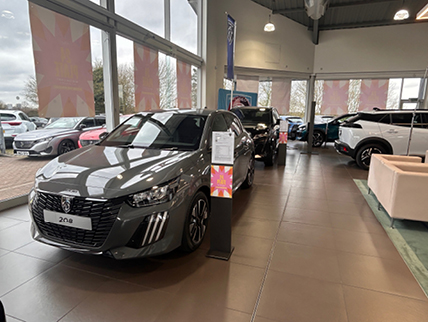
(14, 123)
(322, 118)
(323, 132)
(51, 120)
(293, 124)
(39, 121)
(383, 131)
(263, 125)
(144, 190)
(94, 136)
(57, 138)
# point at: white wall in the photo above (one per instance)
(290, 45)
(375, 49)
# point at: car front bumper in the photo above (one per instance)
(42, 148)
(344, 148)
(134, 232)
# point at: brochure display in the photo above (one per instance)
(222, 158)
(283, 138)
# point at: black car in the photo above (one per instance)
(39, 121)
(263, 125)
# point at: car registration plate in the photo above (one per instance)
(22, 153)
(67, 220)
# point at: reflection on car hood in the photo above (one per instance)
(254, 129)
(38, 134)
(107, 172)
(93, 134)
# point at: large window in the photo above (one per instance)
(184, 22)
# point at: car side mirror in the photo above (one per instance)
(82, 126)
(103, 135)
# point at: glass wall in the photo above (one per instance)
(184, 22)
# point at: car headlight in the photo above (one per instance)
(43, 140)
(263, 135)
(155, 195)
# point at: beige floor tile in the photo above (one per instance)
(6, 222)
(310, 217)
(3, 252)
(309, 235)
(52, 294)
(16, 236)
(255, 227)
(118, 301)
(288, 297)
(18, 213)
(45, 252)
(251, 251)
(379, 274)
(261, 211)
(357, 224)
(307, 261)
(365, 305)
(308, 203)
(16, 269)
(313, 193)
(365, 244)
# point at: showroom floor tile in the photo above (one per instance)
(307, 248)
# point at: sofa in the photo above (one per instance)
(400, 183)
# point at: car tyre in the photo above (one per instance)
(365, 152)
(318, 139)
(196, 223)
(250, 174)
(270, 157)
(66, 146)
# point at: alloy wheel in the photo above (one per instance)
(367, 153)
(65, 146)
(198, 221)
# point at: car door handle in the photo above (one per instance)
(392, 131)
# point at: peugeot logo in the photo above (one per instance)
(66, 203)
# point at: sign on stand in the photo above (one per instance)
(283, 138)
(222, 157)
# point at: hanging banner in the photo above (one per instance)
(146, 77)
(62, 56)
(374, 93)
(231, 29)
(281, 89)
(247, 84)
(239, 99)
(184, 85)
(335, 97)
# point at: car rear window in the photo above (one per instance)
(7, 117)
(380, 118)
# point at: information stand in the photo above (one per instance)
(222, 157)
(283, 139)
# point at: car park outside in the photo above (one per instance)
(383, 131)
(293, 124)
(263, 125)
(39, 121)
(142, 191)
(57, 138)
(13, 123)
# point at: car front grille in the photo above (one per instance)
(24, 144)
(102, 213)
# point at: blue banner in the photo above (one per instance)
(239, 99)
(230, 46)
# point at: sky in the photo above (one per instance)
(16, 51)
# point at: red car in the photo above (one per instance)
(92, 137)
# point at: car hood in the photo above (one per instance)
(93, 134)
(39, 134)
(109, 172)
(255, 129)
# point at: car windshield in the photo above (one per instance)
(64, 123)
(342, 118)
(159, 131)
(253, 115)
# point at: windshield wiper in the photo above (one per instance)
(126, 146)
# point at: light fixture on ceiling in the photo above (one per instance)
(401, 14)
(423, 13)
(269, 27)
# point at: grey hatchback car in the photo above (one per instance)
(142, 191)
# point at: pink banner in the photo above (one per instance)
(184, 85)
(281, 88)
(146, 76)
(247, 84)
(62, 56)
(374, 93)
(335, 98)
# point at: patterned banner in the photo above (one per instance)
(184, 85)
(146, 76)
(374, 93)
(335, 98)
(221, 181)
(281, 89)
(247, 84)
(283, 137)
(231, 29)
(62, 56)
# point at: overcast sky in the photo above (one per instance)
(16, 52)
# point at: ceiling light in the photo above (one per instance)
(269, 27)
(401, 14)
(423, 14)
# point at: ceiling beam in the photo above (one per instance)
(369, 24)
(315, 32)
(336, 6)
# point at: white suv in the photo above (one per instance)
(383, 132)
(14, 123)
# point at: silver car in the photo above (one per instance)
(144, 190)
(56, 138)
(14, 123)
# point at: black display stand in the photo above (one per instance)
(221, 228)
(282, 154)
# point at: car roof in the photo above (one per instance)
(392, 111)
(205, 112)
(253, 107)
